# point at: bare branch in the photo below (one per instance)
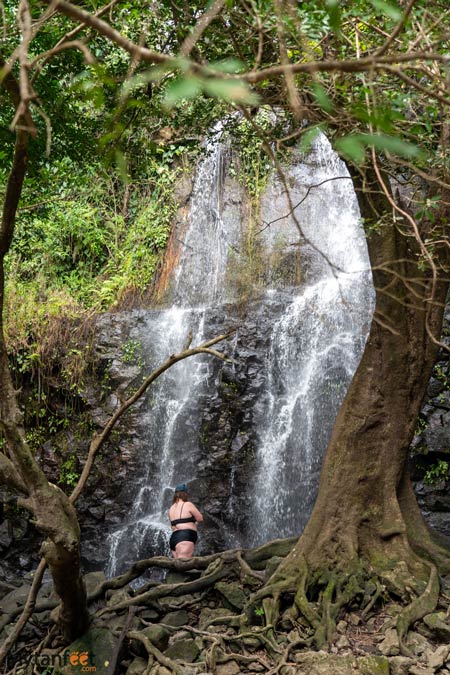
(100, 26)
(200, 27)
(362, 65)
(397, 30)
(72, 44)
(294, 99)
(100, 438)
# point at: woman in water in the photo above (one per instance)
(183, 516)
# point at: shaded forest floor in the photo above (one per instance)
(194, 621)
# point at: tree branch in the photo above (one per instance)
(9, 476)
(200, 27)
(99, 439)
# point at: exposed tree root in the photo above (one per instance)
(174, 668)
(300, 603)
(26, 612)
(417, 609)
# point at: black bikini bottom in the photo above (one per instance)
(182, 535)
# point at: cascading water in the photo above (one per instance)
(315, 347)
(318, 330)
(171, 430)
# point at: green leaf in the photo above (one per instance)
(121, 164)
(308, 138)
(351, 148)
(332, 7)
(392, 144)
(183, 88)
(322, 97)
(389, 8)
(230, 90)
(228, 66)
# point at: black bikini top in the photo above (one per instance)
(179, 521)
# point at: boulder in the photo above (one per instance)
(228, 668)
(390, 645)
(137, 666)
(436, 659)
(232, 594)
(322, 663)
(173, 577)
(436, 622)
(207, 615)
(183, 650)
(93, 650)
(158, 636)
(400, 665)
(342, 642)
(176, 619)
(418, 669)
(149, 614)
(5, 535)
(92, 580)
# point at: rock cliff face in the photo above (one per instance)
(227, 433)
(249, 436)
(430, 449)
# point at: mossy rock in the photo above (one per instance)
(436, 622)
(137, 666)
(92, 580)
(94, 649)
(232, 593)
(158, 636)
(272, 565)
(321, 663)
(207, 615)
(176, 619)
(173, 577)
(149, 614)
(183, 650)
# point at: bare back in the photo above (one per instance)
(183, 509)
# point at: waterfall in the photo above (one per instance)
(318, 319)
(315, 348)
(171, 433)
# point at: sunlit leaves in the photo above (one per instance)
(189, 86)
(182, 88)
(231, 66)
(309, 136)
(236, 91)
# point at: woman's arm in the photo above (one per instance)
(193, 510)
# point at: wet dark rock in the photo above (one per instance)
(5, 535)
(431, 444)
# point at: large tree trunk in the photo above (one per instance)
(366, 522)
